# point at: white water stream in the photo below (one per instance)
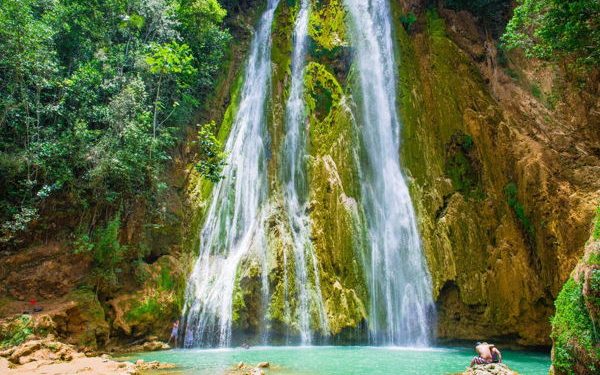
(234, 220)
(399, 283)
(307, 280)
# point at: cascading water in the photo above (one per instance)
(399, 284)
(234, 220)
(307, 288)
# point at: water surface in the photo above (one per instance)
(341, 360)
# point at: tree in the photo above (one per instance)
(166, 61)
(555, 30)
(88, 90)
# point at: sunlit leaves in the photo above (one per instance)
(95, 94)
(170, 58)
(212, 156)
(554, 30)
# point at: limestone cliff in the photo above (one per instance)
(505, 184)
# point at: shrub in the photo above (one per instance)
(596, 233)
(17, 332)
(555, 29)
(510, 191)
(572, 329)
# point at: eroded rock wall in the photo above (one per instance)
(505, 187)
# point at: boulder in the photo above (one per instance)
(152, 346)
(24, 350)
(490, 369)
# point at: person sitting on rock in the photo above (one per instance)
(496, 355)
(487, 353)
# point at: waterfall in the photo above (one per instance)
(295, 191)
(233, 225)
(397, 277)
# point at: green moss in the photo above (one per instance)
(165, 280)
(90, 304)
(462, 165)
(596, 233)
(247, 308)
(536, 91)
(510, 191)
(327, 25)
(572, 331)
(593, 259)
(90, 311)
(435, 24)
(322, 91)
(149, 309)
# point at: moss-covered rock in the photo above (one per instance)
(575, 324)
(327, 24)
(149, 311)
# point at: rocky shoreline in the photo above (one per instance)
(49, 356)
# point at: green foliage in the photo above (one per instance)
(596, 233)
(213, 158)
(408, 20)
(554, 29)
(510, 191)
(595, 280)
(106, 251)
(165, 280)
(536, 91)
(171, 58)
(18, 332)
(572, 329)
(594, 259)
(462, 165)
(94, 96)
(435, 24)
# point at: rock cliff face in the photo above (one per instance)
(505, 185)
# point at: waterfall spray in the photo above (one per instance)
(234, 222)
(398, 280)
(308, 289)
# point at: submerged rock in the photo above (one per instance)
(243, 369)
(152, 365)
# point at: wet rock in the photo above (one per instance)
(153, 346)
(243, 369)
(152, 365)
(490, 369)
